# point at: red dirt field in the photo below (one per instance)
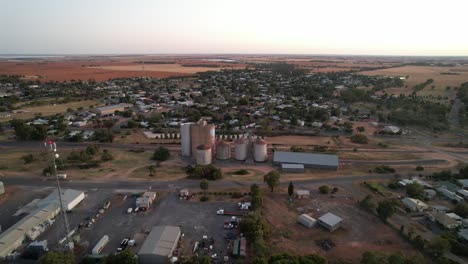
(351, 240)
(86, 68)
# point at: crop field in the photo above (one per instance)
(171, 68)
(443, 77)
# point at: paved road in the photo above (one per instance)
(165, 185)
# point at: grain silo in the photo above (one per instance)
(240, 150)
(223, 150)
(260, 150)
(186, 139)
(202, 133)
(203, 154)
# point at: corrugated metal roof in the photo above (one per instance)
(330, 219)
(292, 166)
(161, 241)
(305, 158)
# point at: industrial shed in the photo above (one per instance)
(330, 221)
(308, 160)
(70, 198)
(306, 220)
(159, 245)
(111, 109)
(288, 167)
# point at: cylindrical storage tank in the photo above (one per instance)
(223, 150)
(203, 156)
(260, 150)
(185, 140)
(240, 150)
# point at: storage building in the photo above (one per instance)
(159, 245)
(302, 194)
(330, 221)
(111, 109)
(288, 167)
(308, 160)
(70, 198)
(306, 220)
(414, 205)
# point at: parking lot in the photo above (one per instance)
(196, 219)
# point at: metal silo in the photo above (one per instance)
(186, 139)
(260, 150)
(202, 133)
(203, 154)
(241, 148)
(223, 150)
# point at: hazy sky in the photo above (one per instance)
(373, 27)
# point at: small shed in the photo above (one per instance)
(302, 194)
(184, 193)
(429, 193)
(306, 220)
(330, 221)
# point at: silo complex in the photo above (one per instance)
(202, 133)
(240, 149)
(223, 150)
(186, 139)
(203, 154)
(260, 150)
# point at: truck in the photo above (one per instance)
(62, 176)
(235, 213)
(100, 245)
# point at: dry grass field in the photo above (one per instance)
(47, 110)
(419, 74)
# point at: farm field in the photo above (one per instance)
(170, 68)
(419, 74)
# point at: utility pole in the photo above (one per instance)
(52, 147)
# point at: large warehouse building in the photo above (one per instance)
(308, 160)
(160, 244)
(32, 224)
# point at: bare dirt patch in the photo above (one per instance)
(360, 232)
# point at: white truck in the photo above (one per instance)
(100, 245)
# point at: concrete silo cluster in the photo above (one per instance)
(199, 141)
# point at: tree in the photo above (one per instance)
(106, 155)
(290, 189)
(272, 179)
(151, 169)
(367, 203)
(257, 199)
(92, 150)
(360, 129)
(439, 246)
(359, 139)
(461, 209)
(28, 158)
(53, 257)
(385, 209)
(124, 257)
(415, 190)
(161, 154)
(204, 184)
(324, 189)
(372, 258)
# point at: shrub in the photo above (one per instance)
(359, 139)
(208, 172)
(204, 198)
(28, 158)
(241, 172)
(384, 169)
(419, 168)
(324, 189)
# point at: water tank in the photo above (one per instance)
(186, 140)
(203, 155)
(260, 150)
(223, 150)
(240, 150)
